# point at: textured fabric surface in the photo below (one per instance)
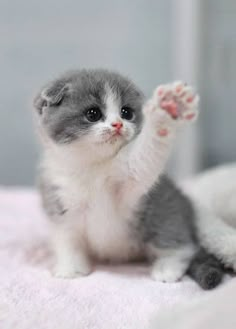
(111, 297)
(215, 311)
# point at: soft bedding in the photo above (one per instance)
(116, 297)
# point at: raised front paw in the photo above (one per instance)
(178, 100)
(172, 103)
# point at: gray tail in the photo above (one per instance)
(206, 270)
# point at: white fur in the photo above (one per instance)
(101, 183)
(214, 194)
(171, 265)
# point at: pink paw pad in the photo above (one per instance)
(170, 107)
(190, 99)
(163, 132)
(190, 116)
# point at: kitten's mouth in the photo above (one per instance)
(117, 133)
(113, 137)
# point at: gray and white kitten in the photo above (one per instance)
(101, 175)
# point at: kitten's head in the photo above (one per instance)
(94, 109)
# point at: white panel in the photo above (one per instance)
(186, 159)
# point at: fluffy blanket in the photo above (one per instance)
(122, 297)
(215, 310)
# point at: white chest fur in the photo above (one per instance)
(97, 213)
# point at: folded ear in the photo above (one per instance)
(51, 95)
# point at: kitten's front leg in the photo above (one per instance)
(171, 105)
(71, 258)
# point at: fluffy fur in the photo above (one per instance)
(215, 193)
(101, 175)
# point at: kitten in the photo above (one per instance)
(101, 175)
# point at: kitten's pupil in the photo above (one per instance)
(93, 114)
(127, 113)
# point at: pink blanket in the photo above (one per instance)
(111, 297)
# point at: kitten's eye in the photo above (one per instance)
(127, 113)
(93, 114)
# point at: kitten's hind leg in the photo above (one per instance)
(171, 265)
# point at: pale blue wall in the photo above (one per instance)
(38, 39)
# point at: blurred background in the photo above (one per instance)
(152, 41)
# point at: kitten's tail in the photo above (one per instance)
(206, 270)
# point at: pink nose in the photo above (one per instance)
(117, 125)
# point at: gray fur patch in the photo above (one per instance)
(51, 202)
(166, 217)
(63, 102)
